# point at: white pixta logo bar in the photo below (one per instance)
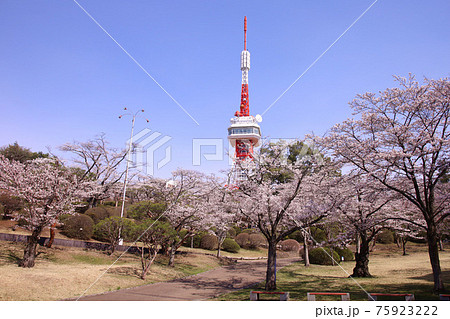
(217, 154)
(145, 144)
(197, 144)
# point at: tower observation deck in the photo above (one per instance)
(244, 132)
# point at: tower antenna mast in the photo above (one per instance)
(245, 33)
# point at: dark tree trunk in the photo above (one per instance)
(174, 247)
(358, 243)
(112, 246)
(271, 273)
(165, 249)
(333, 261)
(398, 241)
(221, 239)
(374, 242)
(147, 261)
(172, 252)
(218, 252)
(29, 254)
(362, 258)
(404, 241)
(305, 250)
(433, 252)
(52, 236)
(441, 244)
(92, 202)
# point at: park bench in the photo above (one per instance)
(374, 296)
(444, 297)
(254, 295)
(311, 296)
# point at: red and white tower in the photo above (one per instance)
(244, 132)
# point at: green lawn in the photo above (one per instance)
(392, 273)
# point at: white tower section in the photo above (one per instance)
(244, 128)
(245, 65)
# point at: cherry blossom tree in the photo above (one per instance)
(100, 163)
(282, 194)
(184, 197)
(47, 190)
(400, 137)
(363, 214)
(220, 216)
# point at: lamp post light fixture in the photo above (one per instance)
(128, 160)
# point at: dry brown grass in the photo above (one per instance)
(62, 273)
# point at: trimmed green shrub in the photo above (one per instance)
(242, 239)
(107, 230)
(115, 211)
(346, 253)
(62, 218)
(78, 226)
(297, 235)
(196, 239)
(319, 257)
(250, 241)
(102, 212)
(230, 245)
(209, 242)
(144, 210)
(256, 240)
(386, 236)
(231, 233)
(237, 230)
(109, 203)
(316, 233)
(290, 245)
(97, 213)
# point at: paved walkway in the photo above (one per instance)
(202, 286)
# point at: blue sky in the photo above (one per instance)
(63, 79)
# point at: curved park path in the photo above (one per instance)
(202, 286)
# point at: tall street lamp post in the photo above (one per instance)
(129, 155)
